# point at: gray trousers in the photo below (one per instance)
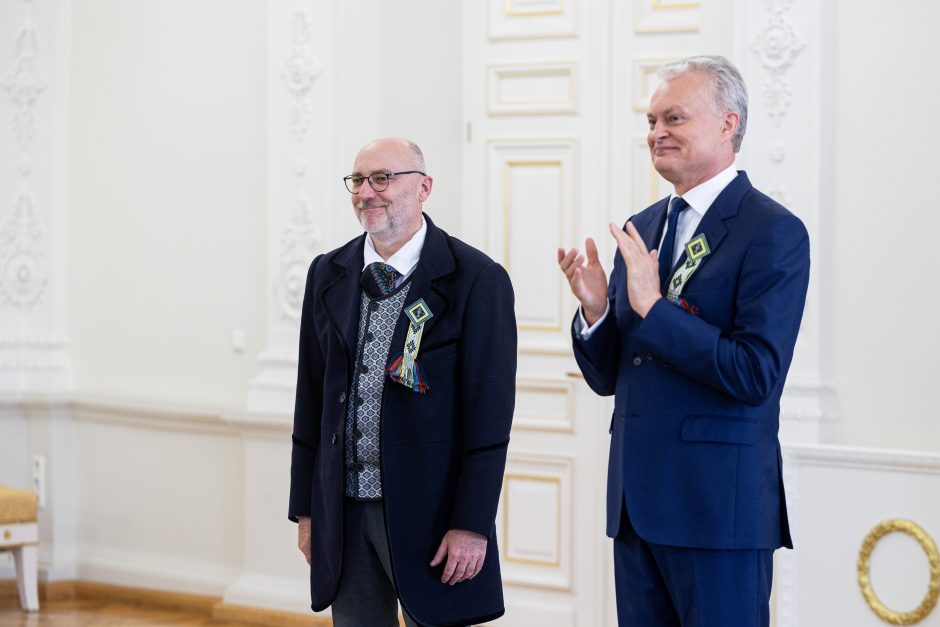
(367, 596)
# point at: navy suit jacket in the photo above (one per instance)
(442, 453)
(694, 452)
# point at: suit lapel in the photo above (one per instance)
(340, 298)
(650, 224)
(435, 263)
(712, 225)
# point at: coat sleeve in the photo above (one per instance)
(308, 406)
(488, 389)
(750, 362)
(598, 356)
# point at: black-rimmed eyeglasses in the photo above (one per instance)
(378, 181)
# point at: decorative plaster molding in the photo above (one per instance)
(300, 241)
(777, 45)
(23, 274)
(300, 72)
(24, 84)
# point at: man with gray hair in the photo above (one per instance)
(694, 334)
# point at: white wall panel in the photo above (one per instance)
(530, 19)
(536, 88)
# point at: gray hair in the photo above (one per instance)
(729, 92)
(418, 155)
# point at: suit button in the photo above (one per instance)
(342, 397)
(637, 361)
(369, 336)
(359, 401)
(373, 306)
(364, 369)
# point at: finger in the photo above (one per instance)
(441, 552)
(620, 236)
(449, 570)
(567, 260)
(561, 254)
(635, 236)
(591, 249)
(477, 567)
(307, 555)
(459, 573)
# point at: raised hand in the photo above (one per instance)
(588, 281)
(642, 268)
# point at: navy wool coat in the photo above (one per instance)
(694, 452)
(443, 453)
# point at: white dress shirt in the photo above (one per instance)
(700, 198)
(405, 258)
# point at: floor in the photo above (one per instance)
(97, 612)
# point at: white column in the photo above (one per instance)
(34, 84)
(304, 132)
(35, 373)
(306, 204)
(784, 51)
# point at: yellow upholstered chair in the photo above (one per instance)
(19, 532)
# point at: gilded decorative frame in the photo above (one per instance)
(893, 617)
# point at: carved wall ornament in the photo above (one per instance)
(778, 191)
(300, 240)
(24, 84)
(23, 277)
(929, 601)
(301, 72)
(777, 45)
(777, 153)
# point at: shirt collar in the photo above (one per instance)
(405, 258)
(701, 197)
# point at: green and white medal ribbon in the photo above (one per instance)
(696, 250)
(405, 369)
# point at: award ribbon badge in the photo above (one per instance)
(405, 369)
(696, 250)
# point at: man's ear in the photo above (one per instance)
(425, 190)
(730, 124)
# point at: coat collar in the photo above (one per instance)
(341, 296)
(650, 223)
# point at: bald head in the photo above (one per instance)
(402, 147)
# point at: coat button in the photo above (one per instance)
(637, 361)
(373, 306)
(369, 336)
(342, 397)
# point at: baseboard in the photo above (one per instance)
(210, 606)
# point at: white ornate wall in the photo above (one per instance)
(188, 141)
(34, 101)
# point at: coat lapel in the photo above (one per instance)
(649, 224)
(712, 225)
(436, 262)
(340, 297)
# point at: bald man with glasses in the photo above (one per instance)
(405, 395)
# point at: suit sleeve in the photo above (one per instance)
(308, 406)
(598, 356)
(488, 390)
(750, 362)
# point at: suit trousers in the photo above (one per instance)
(668, 586)
(367, 595)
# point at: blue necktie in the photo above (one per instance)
(669, 242)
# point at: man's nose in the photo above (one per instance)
(366, 191)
